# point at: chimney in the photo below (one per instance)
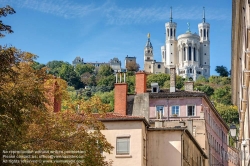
(57, 98)
(120, 96)
(190, 125)
(189, 86)
(172, 79)
(140, 82)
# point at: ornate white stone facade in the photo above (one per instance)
(189, 53)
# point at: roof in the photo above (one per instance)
(165, 93)
(111, 116)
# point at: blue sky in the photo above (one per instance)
(99, 30)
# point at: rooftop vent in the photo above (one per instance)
(155, 88)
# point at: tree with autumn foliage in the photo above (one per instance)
(27, 120)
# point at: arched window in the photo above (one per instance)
(201, 32)
(207, 33)
(171, 32)
(190, 70)
(168, 32)
(204, 32)
(189, 53)
(174, 32)
(159, 66)
(194, 54)
(148, 51)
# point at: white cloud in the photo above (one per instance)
(118, 15)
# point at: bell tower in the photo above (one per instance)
(204, 33)
(148, 55)
(169, 50)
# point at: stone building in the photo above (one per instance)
(189, 53)
(240, 73)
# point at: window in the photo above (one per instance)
(175, 110)
(189, 53)
(159, 66)
(159, 112)
(190, 110)
(184, 54)
(122, 145)
(194, 54)
(171, 32)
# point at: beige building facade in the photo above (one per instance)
(240, 72)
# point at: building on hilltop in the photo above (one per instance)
(77, 60)
(114, 63)
(189, 53)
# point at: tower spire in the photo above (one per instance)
(171, 18)
(204, 19)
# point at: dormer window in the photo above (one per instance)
(155, 87)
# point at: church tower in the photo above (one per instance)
(169, 50)
(148, 55)
(204, 33)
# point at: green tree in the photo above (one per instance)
(107, 98)
(4, 11)
(222, 95)
(108, 81)
(105, 70)
(222, 70)
(229, 113)
(55, 67)
(206, 89)
(84, 68)
(158, 78)
(88, 79)
(131, 83)
(66, 72)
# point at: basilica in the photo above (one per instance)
(189, 53)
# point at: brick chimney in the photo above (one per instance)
(120, 98)
(172, 79)
(57, 98)
(120, 95)
(140, 82)
(189, 86)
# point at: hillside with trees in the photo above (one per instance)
(101, 83)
